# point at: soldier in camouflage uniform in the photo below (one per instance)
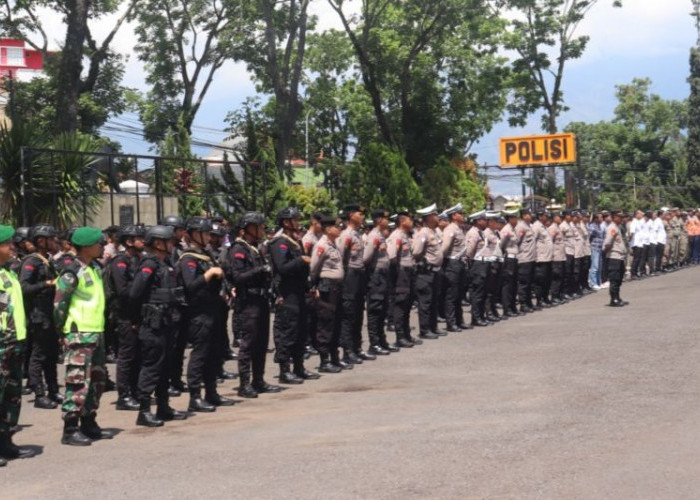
(13, 332)
(79, 313)
(683, 242)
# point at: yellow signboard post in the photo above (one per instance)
(535, 150)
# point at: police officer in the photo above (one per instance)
(476, 253)
(454, 248)
(615, 250)
(400, 254)
(557, 290)
(494, 223)
(376, 262)
(567, 232)
(12, 335)
(38, 280)
(544, 250)
(202, 280)
(509, 274)
(527, 255)
(311, 237)
(219, 256)
(179, 313)
(354, 286)
(119, 275)
(291, 269)
(79, 313)
(23, 247)
(153, 292)
(251, 275)
(427, 252)
(326, 272)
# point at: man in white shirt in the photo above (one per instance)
(636, 238)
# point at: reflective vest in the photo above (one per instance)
(86, 312)
(12, 315)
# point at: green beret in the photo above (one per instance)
(86, 236)
(6, 233)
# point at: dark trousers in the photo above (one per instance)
(290, 327)
(695, 246)
(569, 287)
(255, 336)
(638, 260)
(377, 286)
(478, 275)
(43, 358)
(353, 309)
(651, 258)
(236, 324)
(542, 279)
(311, 322)
(557, 278)
(156, 348)
(224, 345)
(584, 272)
(660, 250)
(427, 293)
(128, 357)
(454, 278)
(509, 279)
(525, 275)
(616, 271)
(202, 368)
(493, 287)
(181, 329)
(576, 276)
(403, 299)
(391, 295)
(328, 307)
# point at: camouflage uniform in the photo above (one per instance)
(85, 351)
(12, 335)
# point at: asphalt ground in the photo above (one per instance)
(580, 401)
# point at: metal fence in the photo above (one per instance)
(98, 195)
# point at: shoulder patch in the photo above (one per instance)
(239, 255)
(320, 251)
(147, 270)
(29, 267)
(122, 264)
(283, 246)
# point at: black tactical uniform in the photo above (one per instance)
(251, 275)
(118, 278)
(291, 280)
(35, 271)
(153, 293)
(178, 315)
(204, 318)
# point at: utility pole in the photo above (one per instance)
(306, 158)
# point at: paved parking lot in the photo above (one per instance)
(581, 401)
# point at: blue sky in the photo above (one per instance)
(645, 38)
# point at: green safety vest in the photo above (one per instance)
(10, 285)
(86, 312)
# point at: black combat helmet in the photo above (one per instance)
(173, 221)
(249, 218)
(41, 230)
(159, 233)
(199, 224)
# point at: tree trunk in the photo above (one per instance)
(68, 91)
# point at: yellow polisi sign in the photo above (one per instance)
(538, 150)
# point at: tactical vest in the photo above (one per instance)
(12, 290)
(86, 311)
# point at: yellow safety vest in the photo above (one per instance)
(86, 312)
(9, 285)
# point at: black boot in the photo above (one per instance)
(199, 404)
(246, 390)
(89, 427)
(303, 373)
(166, 413)
(125, 402)
(8, 449)
(3, 462)
(261, 386)
(287, 377)
(335, 360)
(145, 417)
(55, 395)
(41, 400)
(71, 432)
(216, 399)
(327, 366)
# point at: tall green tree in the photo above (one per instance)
(544, 36)
(183, 43)
(380, 177)
(85, 64)
(694, 101)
